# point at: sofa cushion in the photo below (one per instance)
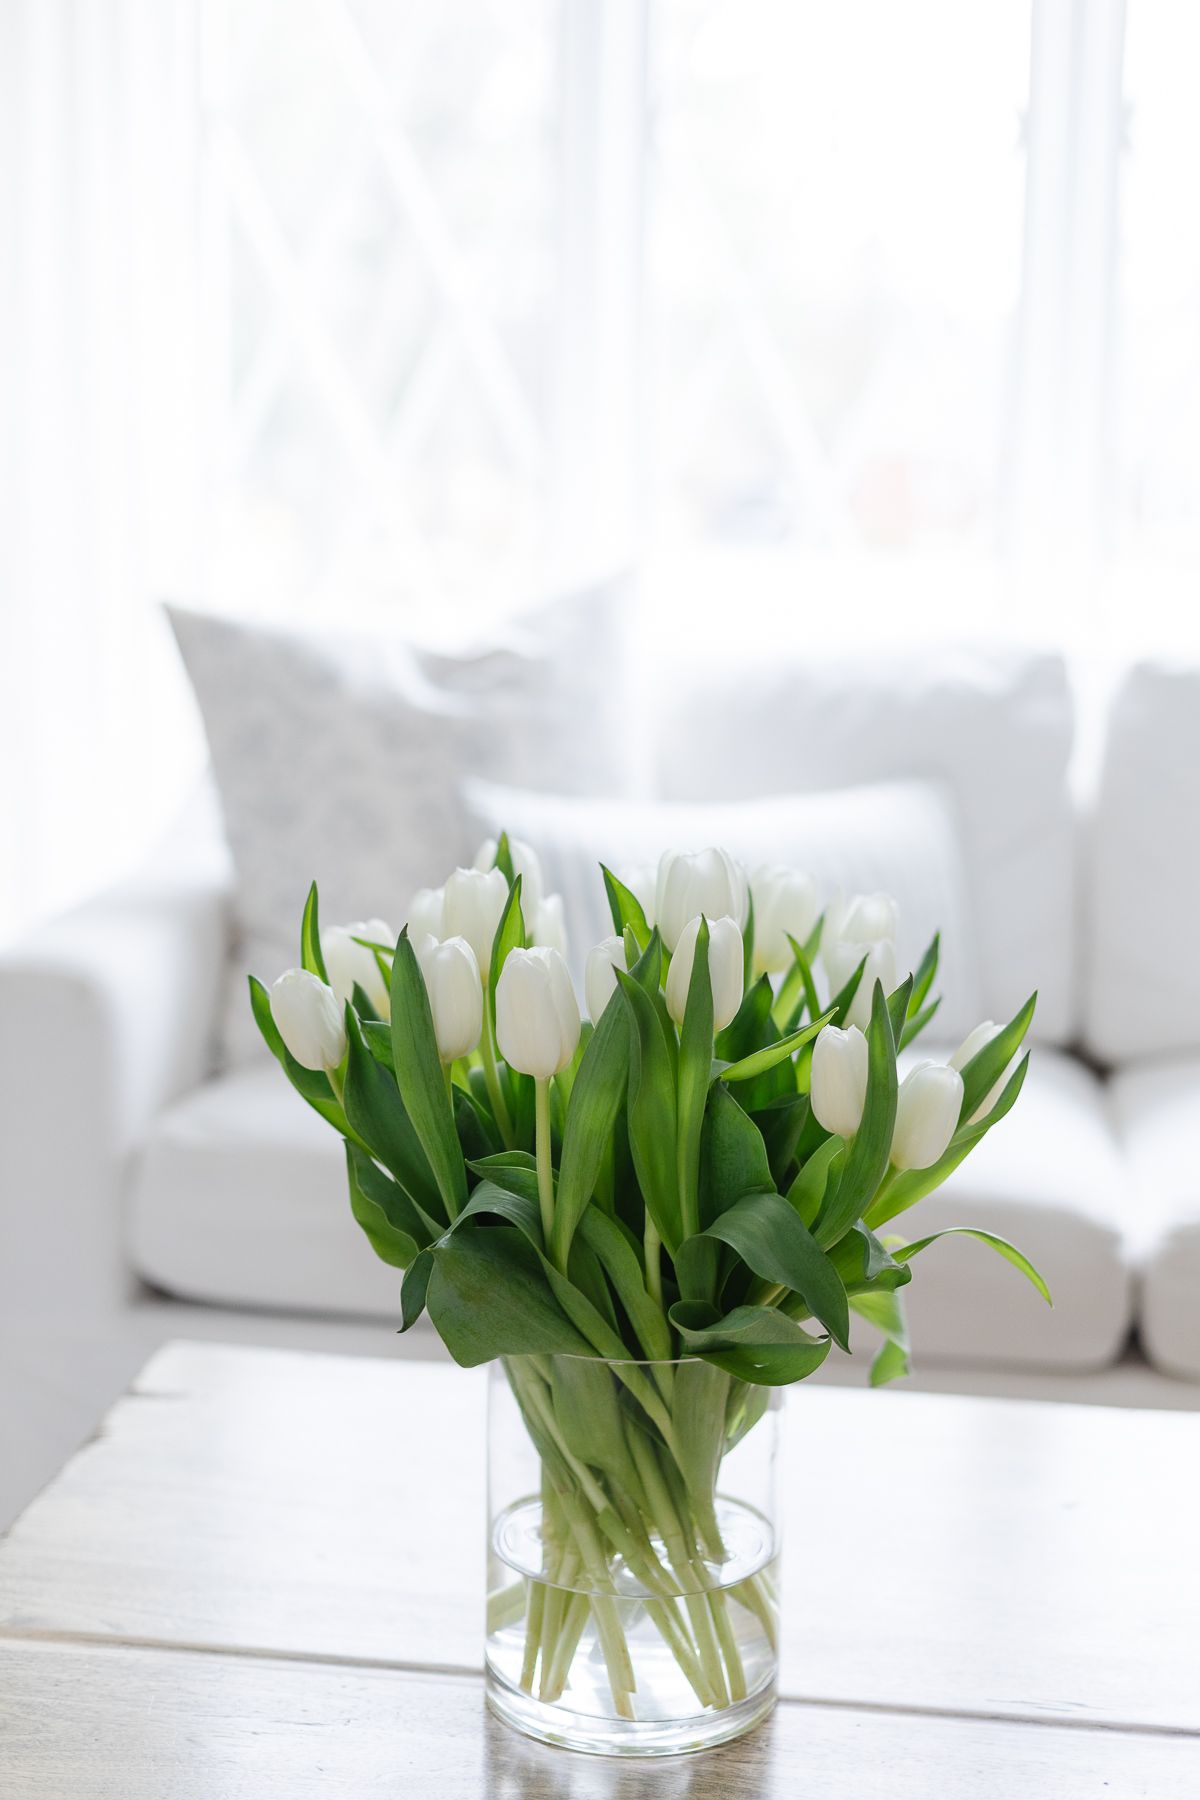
(1143, 862)
(995, 725)
(339, 756)
(239, 1198)
(1047, 1177)
(1155, 1110)
(900, 836)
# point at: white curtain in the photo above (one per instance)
(99, 464)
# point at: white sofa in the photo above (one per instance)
(140, 1183)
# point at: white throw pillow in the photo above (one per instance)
(994, 725)
(898, 836)
(339, 757)
(1142, 987)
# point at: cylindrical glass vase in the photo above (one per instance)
(633, 1552)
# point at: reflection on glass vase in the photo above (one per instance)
(633, 1552)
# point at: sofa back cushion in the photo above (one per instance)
(339, 756)
(995, 726)
(899, 836)
(1142, 992)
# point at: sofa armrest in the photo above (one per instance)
(106, 1015)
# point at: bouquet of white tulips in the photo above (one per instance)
(691, 1189)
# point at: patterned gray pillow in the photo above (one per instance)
(340, 756)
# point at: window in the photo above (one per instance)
(903, 297)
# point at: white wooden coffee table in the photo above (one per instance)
(265, 1575)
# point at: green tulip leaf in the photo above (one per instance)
(773, 1243)
(885, 1311)
(596, 1097)
(1000, 1245)
(395, 1226)
(924, 978)
(391, 1243)
(419, 1077)
(488, 1296)
(651, 1110)
(311, 957)
(985, 1068)
(510, 935)
(415, 1289)
(623, 1267)
(807, 1192)
(695, 1062)
(755, 1343)
(734, 1160)
(377, 1114)
(759, 1061)
(626, 909)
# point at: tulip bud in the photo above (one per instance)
(526, 863)
(425, 912)
(863, 919)
(600, 975)
(537, 1014)
(549, 925)
(927, 1109)
(838, 1082)
(711, 882)
(870, 919)
(726, 959)
(309, 1020)
(785, 903)
(971, 1045)
(840, 964)
(347, 962)
(474, 901)
(455, 995)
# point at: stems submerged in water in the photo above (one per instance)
(624, 1538)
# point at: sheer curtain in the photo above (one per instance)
(99, 471)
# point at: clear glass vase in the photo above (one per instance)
(633, 1552)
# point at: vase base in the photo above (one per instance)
(570, 1730)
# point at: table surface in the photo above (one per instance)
(228, 1579)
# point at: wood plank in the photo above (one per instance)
(1002, 1558)
(115, 1724)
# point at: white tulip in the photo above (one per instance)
(537, 1014)
(725, 967)
(600, 975)
(971, 1045)
(455, 994)
(710, 882)
(347, 962)
(838, 1083)
(871, 919)
(425, 912)
(927, 1109)
(840, 965)
(785, 903)
(309, 1019)
(549, 925)
(474, 900)
(526, 863)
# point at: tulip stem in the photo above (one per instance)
(545, 1165)
(491, 1079)
(653, 1246)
